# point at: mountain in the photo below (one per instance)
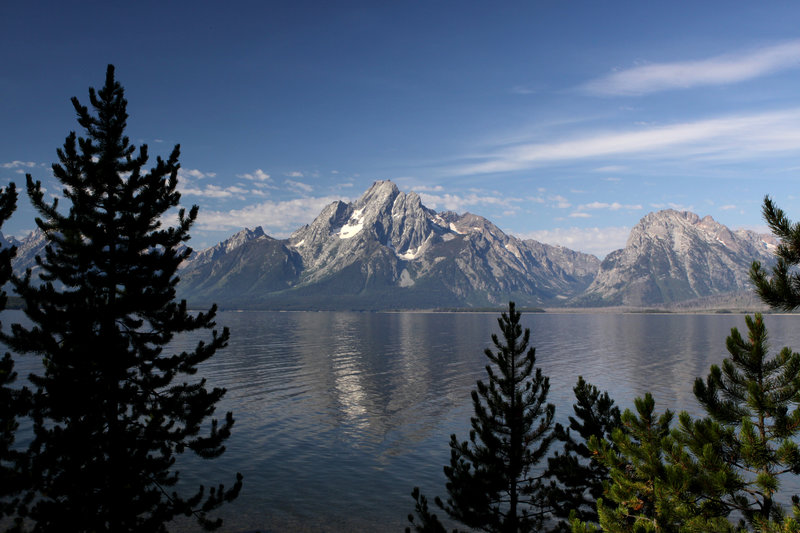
(672, 256)
(385, 250)
(27, 250)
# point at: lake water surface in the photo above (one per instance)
(339, 415)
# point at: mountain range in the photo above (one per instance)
(386, 250)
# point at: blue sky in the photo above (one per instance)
(563, 121)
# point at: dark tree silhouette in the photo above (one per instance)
(112, 410)
(13, 401)
(490, 483)
(577, 479)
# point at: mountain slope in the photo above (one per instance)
(672, 256)
(385, 250)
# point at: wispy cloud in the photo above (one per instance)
(214, 191)
(295, 174)
(522, 90)
(597, 241)
(278, 218)
(732, 137)
(299, 186)
(719, 70)
(427, 188)
(613, 206)
(611, 168)
(560, 202)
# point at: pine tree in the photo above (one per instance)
(653, 485)
(782, 291)
(577, 479)
(755, 397)
(13, 400)
(490, 483)
(111, 410)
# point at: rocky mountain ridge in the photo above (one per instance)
(672, 256)
(386, 250)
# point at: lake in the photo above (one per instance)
(339, 415)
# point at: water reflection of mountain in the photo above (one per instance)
(375, 375)
(338, 415)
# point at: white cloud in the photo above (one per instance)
(277, 218)
(295, 174)
(597, 241)
(460, 203)
(212, 191)
(580, 214)
(728, 207)
(299, 186)
(257, 175)
(731, 138)
(673, 205)
(427, 188)
(184, 173)
(614, 206)
(718, 70)
(560, 202)
(18, 164)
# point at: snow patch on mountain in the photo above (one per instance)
(353, 226)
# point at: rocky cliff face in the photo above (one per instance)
(386, 250)
(672, 256)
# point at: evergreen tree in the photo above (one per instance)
(654, 485)
(782, 291)
(755, 398)
(12, 400)
(577, 479)
(490, 483)
(111, 410)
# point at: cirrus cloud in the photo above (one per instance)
(732, 138)
(724, 69)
